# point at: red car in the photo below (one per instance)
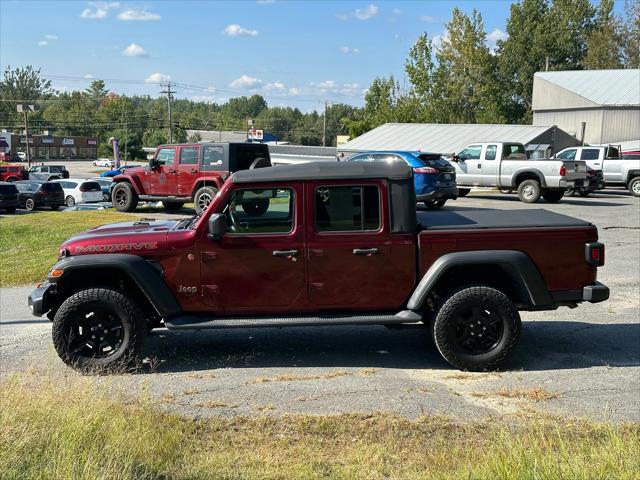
(190, 172)
(12, 173)
(339, 243)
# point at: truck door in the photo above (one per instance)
(592, 157)
(353, 261)
(490, 165)
(163, 179)
(188, 169)
(260, 263)
(469, 166)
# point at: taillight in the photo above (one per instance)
(594, 253)
(563, 171)
(425, 170)
(83, 188)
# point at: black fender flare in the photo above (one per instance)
(147, 277)
(535, 171)
(519, 266)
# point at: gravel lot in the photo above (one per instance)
(587, 358)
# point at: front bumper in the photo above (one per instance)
(38, 299)
(448, 193)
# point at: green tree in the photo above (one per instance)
(604, 43)
(97, 89)
(421, 73)
(20, 85)
(631, 34)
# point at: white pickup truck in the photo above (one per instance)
(505, 165)
(617, 169)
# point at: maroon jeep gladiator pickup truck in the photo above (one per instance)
(339, 243)
(189, 172)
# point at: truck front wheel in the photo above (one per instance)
(97, 330)
(529, 191)
(634, 187)
(476, 328)
(203, 198)
(463, 192)
(553, 196)
(124, 197)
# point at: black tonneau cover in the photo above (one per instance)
(489, 218)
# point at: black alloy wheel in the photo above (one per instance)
(477, 330)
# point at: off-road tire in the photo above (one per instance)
(101, 300)
(69, 201)
(634, 186)
(203, 198)
(434, 204)
(529, 191)
(256, 208)
(124, 197)
(30, 204)
(463, 192)
(172, 206)
(445, 333)
(553, 196)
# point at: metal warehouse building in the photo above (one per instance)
(608, 101)
(452, 138)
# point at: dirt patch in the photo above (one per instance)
(532, 394)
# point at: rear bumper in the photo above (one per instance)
(449, 193)
(9, 203)
(37, 299)
(595, 293)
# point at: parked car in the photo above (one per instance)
(103, 162)
(34, 194)
(344, 245)
(77, 190)
(505, 166)
(190, 172)
(9, 200)
(434, 178)
(5, 157)
(48, 172)
(11, 173)
(617, 170)
(593, 182)
(106, 184)
(117, 171)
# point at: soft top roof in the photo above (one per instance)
(325, 171)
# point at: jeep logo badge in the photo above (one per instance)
(183, 289)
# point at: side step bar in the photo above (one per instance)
(197, 323)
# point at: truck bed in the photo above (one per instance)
(491, 218)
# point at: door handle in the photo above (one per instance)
(285, 253)
(193, 170)
(479, 165)
(171, 171)
(366, 251)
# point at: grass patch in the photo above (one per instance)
(533, 394)
(72, 429)
(30, 242)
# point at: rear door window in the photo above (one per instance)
(347, 208)
(590, 154)
(490, 153)
(189, 155)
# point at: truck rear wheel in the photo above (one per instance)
(98, 329)
(529, 191)
(634, 187)
(203, 198)
(172, 206)
(463, 192)
(256, 208)
(476, 328)
(553, 196)
(124, 197)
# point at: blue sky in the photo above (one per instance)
(294, 53)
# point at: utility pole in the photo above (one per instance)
(126, 142)
(324, 125)
(169, 94)
(24, 108)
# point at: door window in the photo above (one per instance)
(264, 211)
(348, 208)
(166, 156)
(362, 157)
(212, 156)
(567, 154)
(490, 154)
(189, 155)
(590, 154)
(472, 152)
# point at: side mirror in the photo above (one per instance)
(153, 163)
(455, 158)
(217, 226)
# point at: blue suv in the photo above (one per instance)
(434, 178)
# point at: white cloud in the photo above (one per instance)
(51, 37)
(98, 10)
(493, 38)
(43, 43)
(138, 15)
(235, 30)
(88, 76)
(294, 91)
(325, 84)
(347, 50)
(277, 86)
(331, 86)
(245, 81)
(367, 13)
(157, 78)
(134, 50)
(428, 19)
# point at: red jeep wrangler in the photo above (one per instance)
(184, 173)
(340, 243)
(12, 173)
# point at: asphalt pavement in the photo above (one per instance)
(584, 361)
